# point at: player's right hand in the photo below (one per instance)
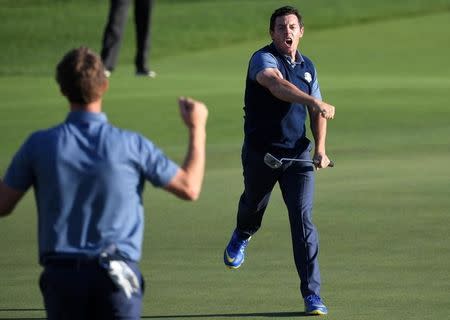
(194, 113)
(326, 110)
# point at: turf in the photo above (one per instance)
(382, 213)
(48, 28)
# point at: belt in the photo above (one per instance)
(72, 262)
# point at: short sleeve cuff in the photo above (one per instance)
(260, 61)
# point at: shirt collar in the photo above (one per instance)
(85, 116)
(298, 57)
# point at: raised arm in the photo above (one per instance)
(272, 79)
(187, 182)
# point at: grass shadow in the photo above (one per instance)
(231, 315)
(192, 316)
(16, 310)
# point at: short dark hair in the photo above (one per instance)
(81, 76)
(284, 11)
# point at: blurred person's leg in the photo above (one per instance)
(112, 36)
(143, 22)
(74, 292)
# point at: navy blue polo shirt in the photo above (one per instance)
(88, 177)
(269, 121)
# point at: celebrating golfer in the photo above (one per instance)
(88, 177)
(281, 88)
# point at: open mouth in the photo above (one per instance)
(288, 41)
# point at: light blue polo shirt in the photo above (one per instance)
(88, 177)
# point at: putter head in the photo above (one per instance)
(271, 161)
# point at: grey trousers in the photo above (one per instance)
(113, 33)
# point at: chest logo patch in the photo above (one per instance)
(308, 77)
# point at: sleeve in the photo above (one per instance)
(260, 61)
(315, 88)
(157, 168)
(19, 174)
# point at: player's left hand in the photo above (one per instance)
(321, 160)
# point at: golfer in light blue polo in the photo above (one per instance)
(88, 177)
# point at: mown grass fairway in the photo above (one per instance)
(382, 212)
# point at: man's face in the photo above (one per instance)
(286, 34)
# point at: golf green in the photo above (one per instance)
(382, 212)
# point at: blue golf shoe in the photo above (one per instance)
(315, 306)
(234, 254)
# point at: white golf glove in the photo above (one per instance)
(125, 278)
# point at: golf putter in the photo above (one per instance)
(275, 163)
